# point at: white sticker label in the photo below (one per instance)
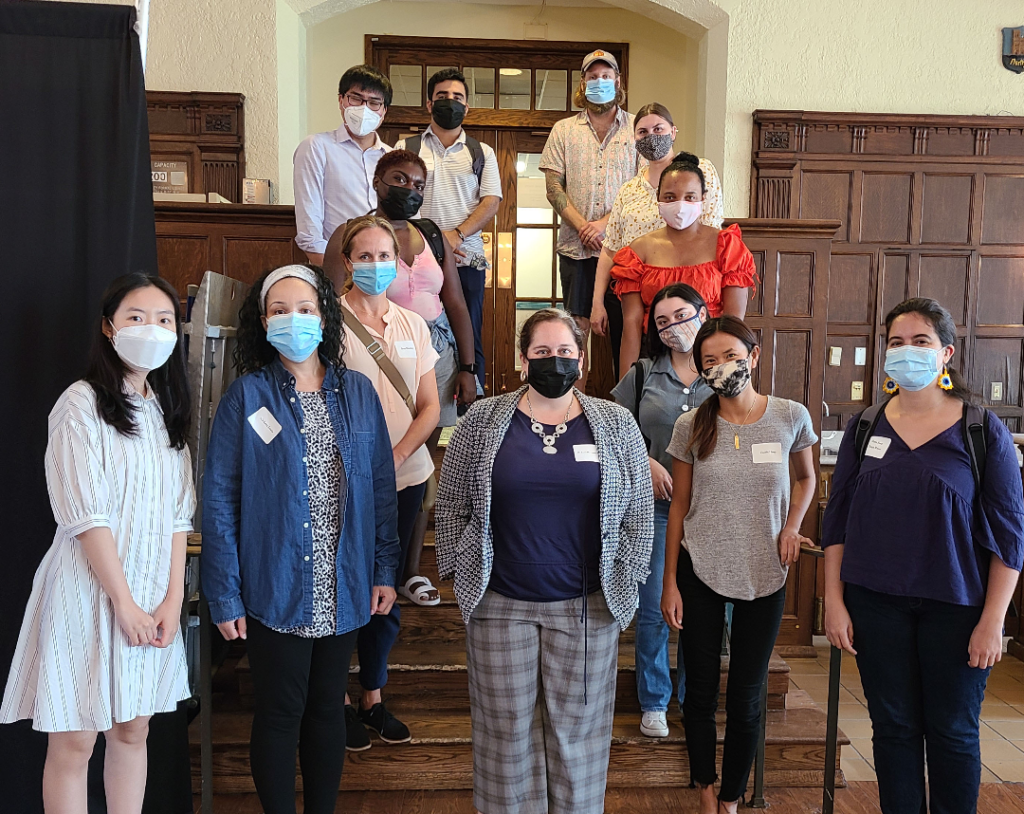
(767, 453)
(877, 446)
(586, 452)
(266, 426)
(406, 348)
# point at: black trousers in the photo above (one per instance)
(300, 701)
(755, 624)
(473, 290)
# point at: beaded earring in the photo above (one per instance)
(889, 386)
(945, 382)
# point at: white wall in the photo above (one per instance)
(662, 62)
(876, 56)
(291, 94)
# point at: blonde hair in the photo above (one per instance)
(579, 98)
(348, 233)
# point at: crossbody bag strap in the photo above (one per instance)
(377, 352)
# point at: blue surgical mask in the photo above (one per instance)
(295, 336)
(374, 278)
(912, 368)
(600, 91)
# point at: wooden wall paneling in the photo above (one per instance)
(1003, 205)
(945, 278)
(503, 364)
(182, 259)
(827, 195)
(886, 208)
(1000, 291)
(947, 208)
(851, 288)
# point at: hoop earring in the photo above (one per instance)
(522, 375)
(945, 382)
(889, 386)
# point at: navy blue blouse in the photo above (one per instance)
(909, 519)
(546, 514)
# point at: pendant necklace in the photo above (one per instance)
(537, 427)
(736, 435)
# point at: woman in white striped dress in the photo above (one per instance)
(100, 649)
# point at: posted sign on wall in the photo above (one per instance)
(169, 176)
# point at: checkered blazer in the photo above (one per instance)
(462, 518)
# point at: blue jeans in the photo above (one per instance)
(912, 656)
(653, 681)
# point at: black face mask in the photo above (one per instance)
(553, 376)
(400, 203)
(448, 113)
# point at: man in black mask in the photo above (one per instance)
(463, 190)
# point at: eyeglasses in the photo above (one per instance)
(355, 100)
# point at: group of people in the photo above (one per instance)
(558, 515)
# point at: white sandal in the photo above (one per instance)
(420, 591)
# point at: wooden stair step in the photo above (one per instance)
(440, 754)
(433, 676)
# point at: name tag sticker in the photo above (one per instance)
(266, 426)
(877, 446)
(586, 452)
(406, 348)
(767, 453)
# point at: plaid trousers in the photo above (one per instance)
(542, 699)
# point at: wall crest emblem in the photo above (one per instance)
(1013, 49)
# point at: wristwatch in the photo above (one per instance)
(458, 231)
(467, 369)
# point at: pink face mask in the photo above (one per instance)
(680, 214)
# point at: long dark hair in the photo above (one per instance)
(253, 351)
(684, 162)
(705, 424)
(655, 347)
(106, 371)
(945, 330)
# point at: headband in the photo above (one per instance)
(302, 272)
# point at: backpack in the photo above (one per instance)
(434, 237)
(972, 425)
(412, 144)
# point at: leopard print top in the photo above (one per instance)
(327, 484)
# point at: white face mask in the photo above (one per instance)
(144, 347)
(680, 214)
(362, 121)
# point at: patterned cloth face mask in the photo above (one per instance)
(681, 335)
(729, 379)
(654, 146)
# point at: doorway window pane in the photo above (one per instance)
(514, 88)
(433, 69)
(551, 90)
(531, 194)
(535, 249)
(407, 81)
(575, 84)
(524, 310)
(481, 87)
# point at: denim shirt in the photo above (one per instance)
(257, 555)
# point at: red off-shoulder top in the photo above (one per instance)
(733, 266)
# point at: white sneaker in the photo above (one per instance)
(654, 724)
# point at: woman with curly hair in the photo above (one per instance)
(300, 542)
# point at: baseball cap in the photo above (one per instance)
(599, 56)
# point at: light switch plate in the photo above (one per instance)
(860, 356)
(857, 391)
(997, 391)
(835, 356)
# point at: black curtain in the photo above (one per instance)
(76, 211)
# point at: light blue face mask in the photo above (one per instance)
(374, 278)
(912, 368)
(295, 336)
(600, 91)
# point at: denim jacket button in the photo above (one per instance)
(306, 558)
(305, 492)
(292, 399)
(305, 525)
(302, 430)
(304, 459)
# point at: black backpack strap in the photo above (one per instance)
(433, 235)
(639, 377)
(974, 438)
(477, 152)
(865, 426)
(412, 144)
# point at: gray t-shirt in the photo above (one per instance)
(664, 399)
(740, 499)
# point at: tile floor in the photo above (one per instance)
(1002, 716)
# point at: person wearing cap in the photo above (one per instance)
(586, 159)
(462, 193)
(300, 540)
(333, 171)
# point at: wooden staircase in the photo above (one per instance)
(428, 690)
